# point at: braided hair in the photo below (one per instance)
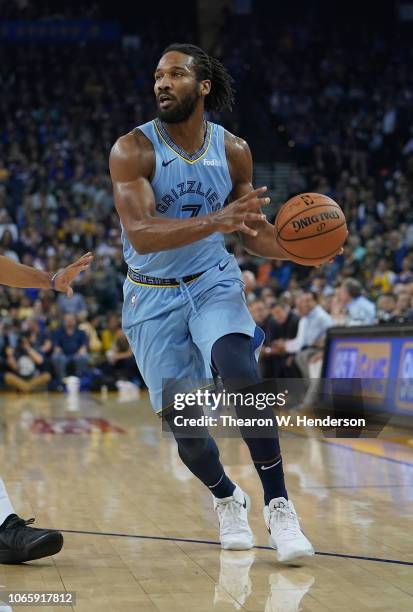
(221, 96)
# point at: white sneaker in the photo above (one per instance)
(235, 532)
(286, 536)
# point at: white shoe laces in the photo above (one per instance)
(283, 518)
(230, 516)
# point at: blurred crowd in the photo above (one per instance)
(342, 109)
(47, 10)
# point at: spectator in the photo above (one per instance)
(39, 338)
(357, 308)
(25, 310)
(397, 249)
(25, 365)
(279, 363)
(89, 326)
(312, 327)
(357, 251)
(280, 274)
(7, 225)
(7, 247)
(286, 319)
(386, 305)
(402, 311)
(262, 317)
(383, 278)
(268, 297)
(250, 285)
(306, 346)
(103, 285)
(120, 364)
(75, 305)
(70, 356)
(406, 274)
(111, 332)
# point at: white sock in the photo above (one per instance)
(6, 507)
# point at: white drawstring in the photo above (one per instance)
(184, 289)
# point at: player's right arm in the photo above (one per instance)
(131, 163)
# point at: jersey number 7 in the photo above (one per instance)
(193, 209)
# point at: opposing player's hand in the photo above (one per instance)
(66, 276)
(236, 216)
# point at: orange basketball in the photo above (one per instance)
(310, 228)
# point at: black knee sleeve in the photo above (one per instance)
(234, 359)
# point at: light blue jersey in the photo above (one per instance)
(172, 327)
(185, 186)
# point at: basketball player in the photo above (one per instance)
(180, 183)
(18, 542)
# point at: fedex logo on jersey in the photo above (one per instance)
(196, 188)
(212, 162)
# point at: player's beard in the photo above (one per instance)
(181, 111)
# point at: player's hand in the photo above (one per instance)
(66, 276)
(339, 252)
(235, 216)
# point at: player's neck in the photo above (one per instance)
(190, 134)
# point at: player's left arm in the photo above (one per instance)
(264, 244)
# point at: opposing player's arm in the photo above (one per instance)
(16, 274)
(263, 243)
(131, 166)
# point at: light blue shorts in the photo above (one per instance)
(172, 330)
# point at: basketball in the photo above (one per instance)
(310, 228)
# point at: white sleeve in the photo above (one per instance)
(296, 344)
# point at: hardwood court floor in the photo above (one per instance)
(141, 533)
